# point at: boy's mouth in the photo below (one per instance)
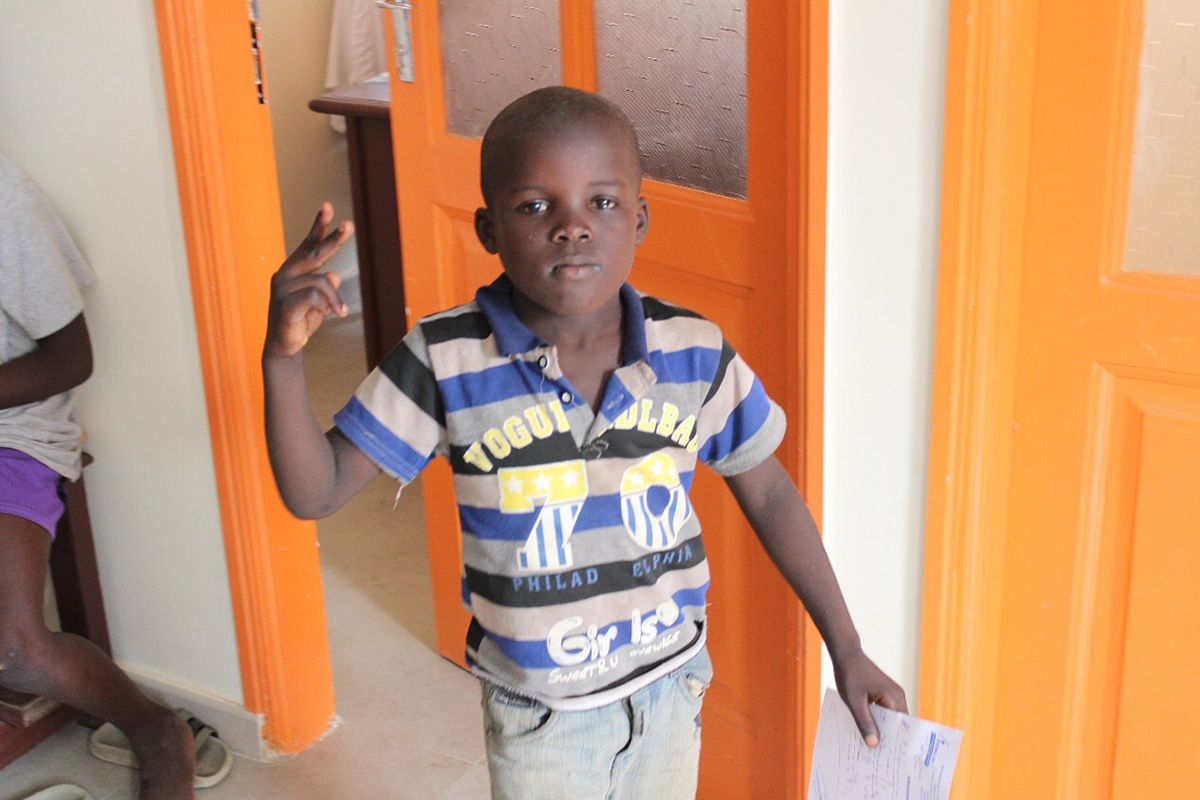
(575, 267)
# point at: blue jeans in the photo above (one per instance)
(645, 746)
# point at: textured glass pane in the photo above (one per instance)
(1163, 233)
(492, 53)
(678, 69)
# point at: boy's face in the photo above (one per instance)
(565, 218)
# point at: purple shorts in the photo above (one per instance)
(29, 489)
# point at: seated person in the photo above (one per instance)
(44, 353)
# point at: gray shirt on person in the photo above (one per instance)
(41, 274)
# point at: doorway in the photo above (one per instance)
(773, 728)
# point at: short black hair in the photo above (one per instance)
(543, 112)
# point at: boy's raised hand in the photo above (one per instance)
(861, 683)
(301, 296)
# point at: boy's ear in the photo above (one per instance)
(483, 229)
(643, 221)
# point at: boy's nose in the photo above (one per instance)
(571, 229)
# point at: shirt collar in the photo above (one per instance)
(513, 338)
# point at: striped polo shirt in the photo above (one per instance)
(583, 566)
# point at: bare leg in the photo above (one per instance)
(72, 670)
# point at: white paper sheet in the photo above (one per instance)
(914, 760)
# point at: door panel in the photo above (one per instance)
(734, 260)
(1160, 563)
(1163, 228)
(492, 53)
(679, 72)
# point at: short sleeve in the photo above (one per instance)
(396, 416)
(739, 425)
(41, 269)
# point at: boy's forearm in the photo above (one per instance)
(302, 458)
(785, 526)
(790, 537)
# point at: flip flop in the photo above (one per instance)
(214, 760)
(61, 791)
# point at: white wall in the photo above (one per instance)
(82, 110)
(886, 76)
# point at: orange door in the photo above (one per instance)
(1091, 647)
(724, 249)
(1106, 449)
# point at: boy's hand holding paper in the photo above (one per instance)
(914, 760)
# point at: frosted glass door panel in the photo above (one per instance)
(1163, 233)
(492, 53)
(678, 69)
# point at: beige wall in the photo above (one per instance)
(310, 155)
(82, 110)
(886, 84)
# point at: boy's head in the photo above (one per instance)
(560, 175)
(531, 118)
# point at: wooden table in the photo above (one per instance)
(367, 109)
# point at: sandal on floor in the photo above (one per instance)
(62, 791)
(213, 757)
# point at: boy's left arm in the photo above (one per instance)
(784, 525)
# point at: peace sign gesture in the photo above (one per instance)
(301, 295)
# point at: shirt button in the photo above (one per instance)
(595, 449)
(566, 397)
(543, 361)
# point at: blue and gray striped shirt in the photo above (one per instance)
(583, 566)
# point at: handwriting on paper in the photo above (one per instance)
(914, 760)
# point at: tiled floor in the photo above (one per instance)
(410, 721)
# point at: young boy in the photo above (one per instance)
(572, 410)
(44, 353)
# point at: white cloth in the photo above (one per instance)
(41, 274)
(356, 47)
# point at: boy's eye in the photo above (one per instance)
(534, 207)
(605, 202)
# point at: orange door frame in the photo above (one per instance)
(808, 114)
(989, 77)
(225, 167)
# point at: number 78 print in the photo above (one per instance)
(562, 489)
